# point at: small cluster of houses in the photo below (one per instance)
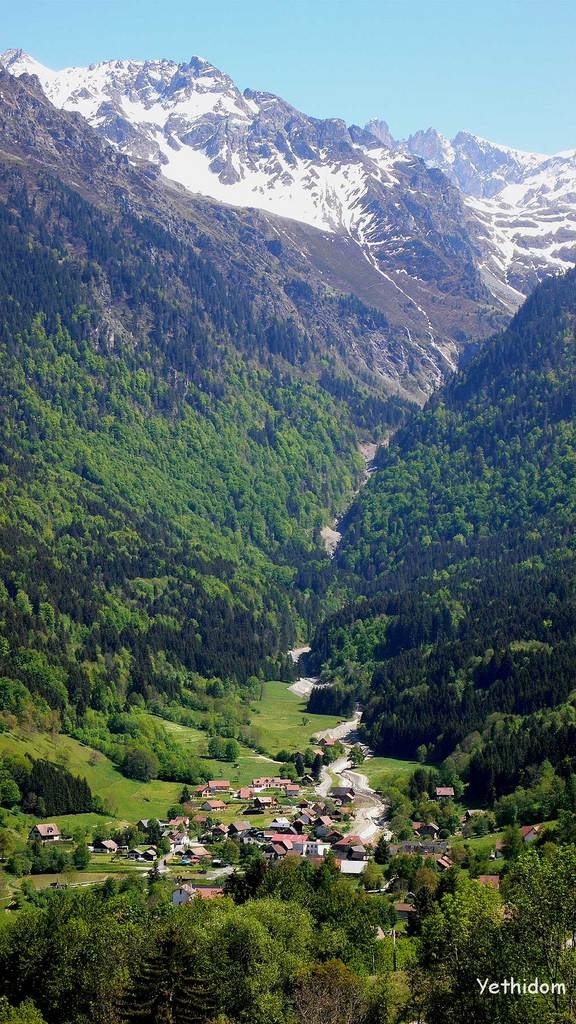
(306, 827)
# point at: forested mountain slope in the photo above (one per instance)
(463, 547)
(171, 440)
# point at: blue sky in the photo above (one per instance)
(505, 70)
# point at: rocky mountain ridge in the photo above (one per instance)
(446, 235)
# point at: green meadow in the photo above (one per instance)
(281, 721)
(386, 771)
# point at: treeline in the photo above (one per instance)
(42, 788)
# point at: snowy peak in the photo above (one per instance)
(480, 168)
(482, 231)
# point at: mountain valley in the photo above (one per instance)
(287, 560)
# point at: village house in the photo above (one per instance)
(493, 880)
(268, 782)
(201, 791)
(444, 792)
(443, 862)
(219, 786)
(149, 854)
(426, 829)
(239, 828)
(183, 894)
(530, 833)
(245, 793)
(48, 833)
(105, 846)
(213, 805)
(181, 821)
(405, 911)
(323, 825)
(342, 794)
(350, 848)
(262, 803)
(280, 825)
(291, 789)
(179, 841)
(200, 852)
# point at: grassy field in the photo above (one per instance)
(385, 771)
(280, 718)
(127, 799)
(248, 766)
(283, 722)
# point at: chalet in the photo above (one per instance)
(105, 846)
(201, 791)
(181, 821)
(213, 805)
(405, 911)
(350, 848)
(199, 851)
(498, 851)
(471, 813)
(322, 825)
(150, 854)
(48, 833)
(142, 825)
(245, 793)
(493, 880)
(262, 803)
(291, 789)
(530, 833)
(183, 894)
(328, 742)
(239, 828)
(444, 863)
(220, 831)
(280, 825)
(444, 792)
(219, 786)
(345, 794)
(426, 829)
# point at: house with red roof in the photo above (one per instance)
(444, 792)
(219, 786)
(213, 805)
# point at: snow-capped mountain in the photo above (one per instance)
(450, 249)
(524, 204)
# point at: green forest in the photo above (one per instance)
(461, 641)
